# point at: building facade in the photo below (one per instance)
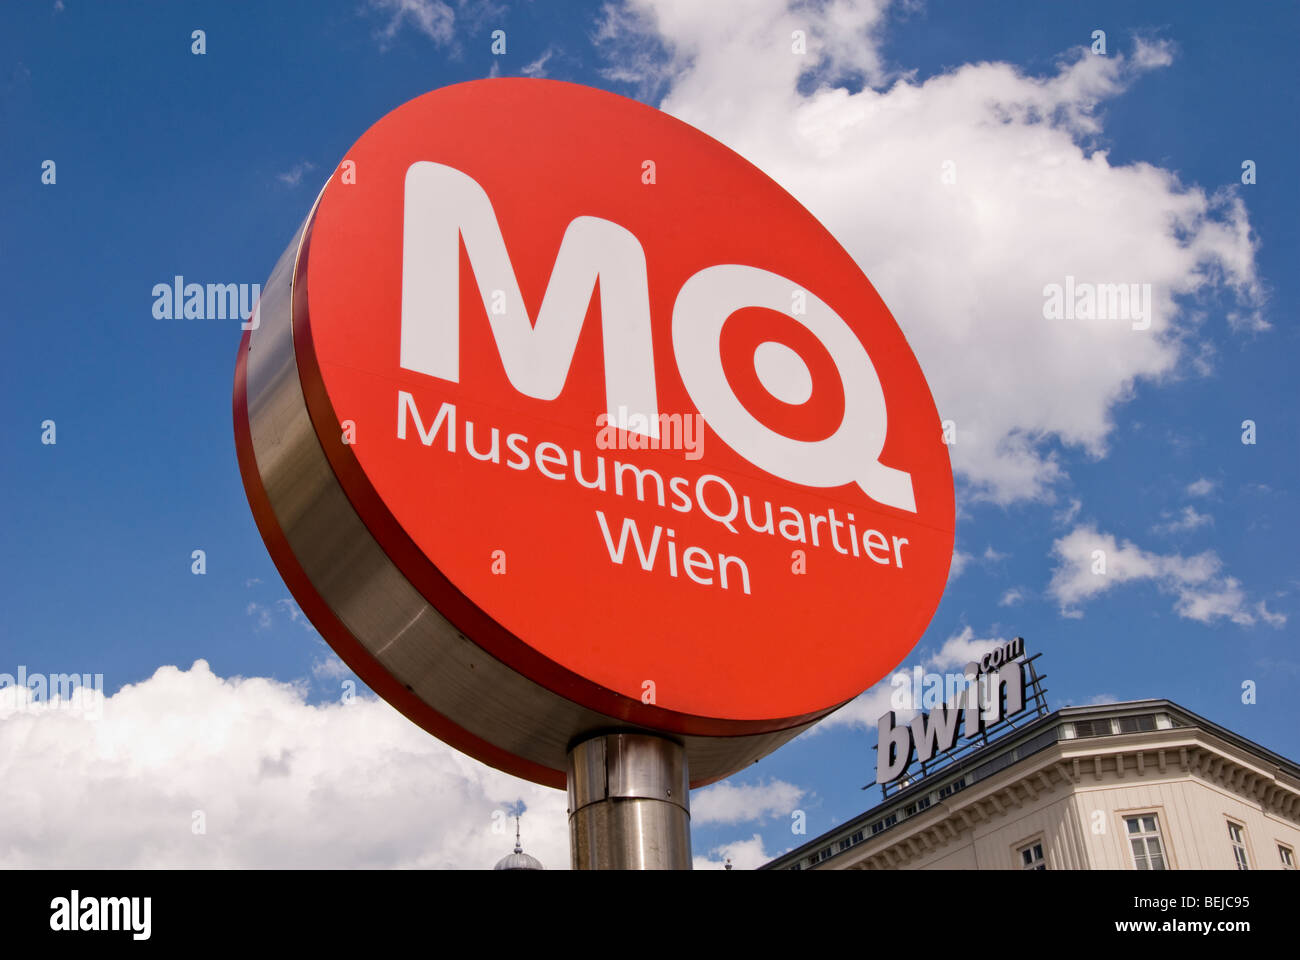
(1143, 785)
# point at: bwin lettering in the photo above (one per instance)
(444, 207)
(995, 658)
(994, 696)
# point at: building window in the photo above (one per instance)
(1238, 838)
(1031, 856)
(819, 856)
(1288, 857)
(920, 804)
(1137, 724)
(948, 789)
(856, 838)
(1144, 838)
(1092, 728)
(845, 844)
(880, 825)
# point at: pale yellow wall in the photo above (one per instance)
(1052, 818)
(953, 857)
(1194, 818)
(993, 845)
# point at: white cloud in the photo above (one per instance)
(293, 176)
(1247, 322)
(1034, 201)
(260, 613)
(1011, 598)
(432, 18)
(960, 561)
(331, 668)
(726, 802)
(290, 609)
(743, 854)
(1201, 488)
(263, 615)
(538, 67)
(281, 783)
(1272, 619)
(864, 710)
(1068, 515)
(627, 35)
(1187, 521)
(960, 649)
(1097, 700)
(1201, 591)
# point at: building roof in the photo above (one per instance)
(518, 860)
(1014, 745)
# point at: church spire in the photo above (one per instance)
(518, 860)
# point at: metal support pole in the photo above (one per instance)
(629, 803)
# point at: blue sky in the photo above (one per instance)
(172, 163)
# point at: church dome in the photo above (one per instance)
(518, 860)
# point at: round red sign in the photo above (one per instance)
(615, 407)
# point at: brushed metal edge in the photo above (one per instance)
(383, 612)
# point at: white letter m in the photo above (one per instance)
(442, 205)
